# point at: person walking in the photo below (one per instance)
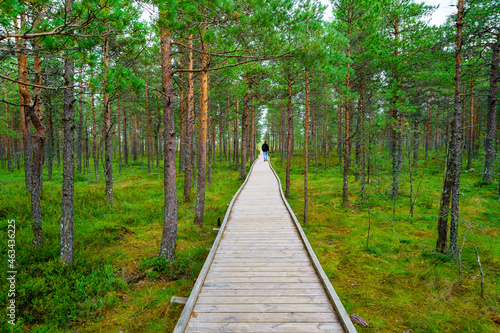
(265, 150)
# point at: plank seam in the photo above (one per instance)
(345, 320)
(193, 297)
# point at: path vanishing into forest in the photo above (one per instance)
(261, 274)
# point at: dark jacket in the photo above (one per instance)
(265, 147)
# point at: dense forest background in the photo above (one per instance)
(127, 126)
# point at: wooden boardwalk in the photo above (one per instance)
(261, 274)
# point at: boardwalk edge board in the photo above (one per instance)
(344, 318)
(193, 297)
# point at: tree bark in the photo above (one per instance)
(182, 121)
(67, 205)
(7, 137)
(289, 138)
(79, 138)
(489, 142)
(306, 148)
(456, 133)
(244, 131)
(125, 141)
(202, 134)
(95, 152)
(169, 237)
(148, 121)
(108, 161)
(119, 134)
(22, 63)
(189, 153)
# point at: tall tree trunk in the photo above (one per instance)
(22, 63)
(244, 130)
(340, 127)
(456, 133)
(108, 161)
(236, 135)
(125, 141)
(119, 134)
(36, 116)
(66, 241)
(470, 140)
(289, 139)
(394, 121)
(489, 142)
(202, 136)
(148, 121)
(363, 138)
(182, 120)
(158, 129)
(169, 237)
(79, 138)
(306, 148)
(50, 150)
(95, 151)
(7, 136)
(189, 122)
(284, 136)
(135, 143)
(444, 203)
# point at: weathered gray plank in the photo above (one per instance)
(283, 317)
(265, 327)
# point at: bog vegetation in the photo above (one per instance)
(127, 126)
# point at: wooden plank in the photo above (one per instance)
(321, 299)
(243, 269)
(267, 279)
(261, 285)
(263, 307)
(260, 273)
(263, 292)
(283, 317)
(265, 327)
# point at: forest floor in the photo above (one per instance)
(396, 282)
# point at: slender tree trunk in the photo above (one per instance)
(66, 241)
(202, 136)
(306, 148)
(125, 141)
(236, 134)
(456, 133)
(50, 150)
(36, 116)
(189, 123)
(7, 143)
(158, 129)
(394, 121)
(148, 121)
(108, 161)
(470, 140)
(22, 63)
(489, 142)
(340, 127)
(183, 120)
(79, 139)
(363, 139)
(119, 134)
(95, 151)
(169, 237)
(290, 139)
(244, 131)
(284, 136)
(135, 143)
